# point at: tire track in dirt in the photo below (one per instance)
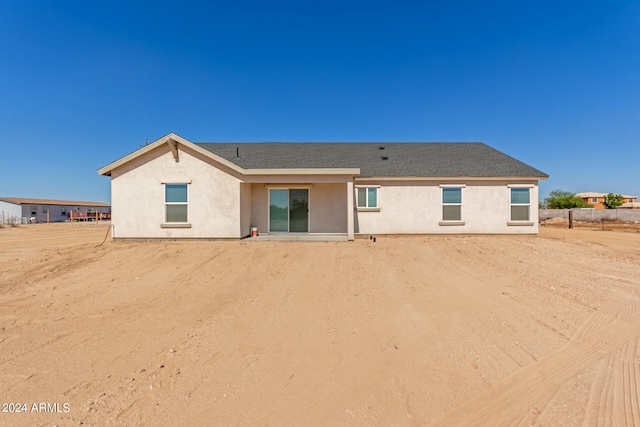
(610, 334)
(599, 319)
(614, 394)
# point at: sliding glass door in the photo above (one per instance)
(298, 211)
(278, 210)
(289, 210)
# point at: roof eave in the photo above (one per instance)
(304, 171)
(172, 138)
(106, 170)
(451, 178)
(169, 139)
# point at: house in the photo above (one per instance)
(597, 199)
(629, 205)
(40, 210)
(174, 188)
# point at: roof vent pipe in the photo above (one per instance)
(381, 147)
(237, 151)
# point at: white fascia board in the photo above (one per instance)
(304, 171)
(449, 178)
(106, 170)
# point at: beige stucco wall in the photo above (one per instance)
(328, 208)
(245, 209)
(327, 204)
(224, 204)
(259, 207)
(416, 208)
(138, 195)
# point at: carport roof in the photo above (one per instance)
(23, 201)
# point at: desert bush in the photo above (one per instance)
(612, 201)
(559, 199)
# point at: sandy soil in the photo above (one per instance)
(610, 225)
(429, 330)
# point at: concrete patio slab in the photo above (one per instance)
(306, 237)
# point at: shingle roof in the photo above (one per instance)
(419, 159)
(23, 201)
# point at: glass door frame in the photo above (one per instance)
(287, 188)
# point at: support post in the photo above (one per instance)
(570, 219)
(350, 222)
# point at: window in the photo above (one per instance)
(594, 200)
(520, 203)
(367, 197)
(45, 209)
(452, 204)
(34, 210)
(63, 210)
(91, 210)
(175, 198)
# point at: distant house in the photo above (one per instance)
(35, 210)
(630, 205)
(597, 199)
(174, 188)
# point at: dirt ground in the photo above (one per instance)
(412, 331)
(609, 225)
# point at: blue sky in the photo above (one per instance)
(553, 83)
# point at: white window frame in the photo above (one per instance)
(529, 204)
(288, 187)
(366, 206)
(443, 204)
(181, 224)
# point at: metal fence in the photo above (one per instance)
(592, 215)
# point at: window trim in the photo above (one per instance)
(451, 222)
(511, 204)
(368, 208)
(176, 224)
(288, 188)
